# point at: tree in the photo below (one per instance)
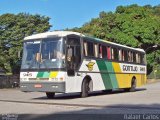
(13, 29)
(135, 26)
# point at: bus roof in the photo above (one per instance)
(65, 33)
(54, 33)
(116, 44)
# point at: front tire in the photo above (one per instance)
(50, 95)
(85, 88)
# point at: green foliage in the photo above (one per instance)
(135, 26)
(13, 28)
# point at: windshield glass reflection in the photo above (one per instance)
(52, 54)
(47, 53)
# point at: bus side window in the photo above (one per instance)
(125, 56)
(96, 50)
(104, 52)
(134, 57)
(137, 58)
(100, 51)
(120, 54)
(129, 56)
(142, 59)
(112, 52)
(108, 53)
(85, 49)
(90, 49)
(116, 57)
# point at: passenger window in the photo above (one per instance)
(120, 55)
(90, 49)
(100, 51)
(134, 57)
(129, 56)
(137, 58)
(108, 53)
(114, 54)
(125, 56)
(142, 58)
(104, 52)
(85, 49)
(96, 50)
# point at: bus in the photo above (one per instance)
(67, 62)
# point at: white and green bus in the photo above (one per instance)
(66, 62)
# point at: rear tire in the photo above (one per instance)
(85, 88)
(50, 95)
(133, 86)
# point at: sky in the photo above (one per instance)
(67, 13)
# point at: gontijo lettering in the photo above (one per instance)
(130, 68)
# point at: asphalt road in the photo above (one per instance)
(113, 105)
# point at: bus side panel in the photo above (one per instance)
(105, 75)
(74, 84)
(98, 83)
(124, 78)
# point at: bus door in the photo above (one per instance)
(73, 54)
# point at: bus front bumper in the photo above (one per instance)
(58, 87)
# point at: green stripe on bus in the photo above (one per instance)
(40, 74)
(43, 74)
(105, 76)
(112, 76)
(46, 74)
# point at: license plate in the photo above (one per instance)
(38, 86)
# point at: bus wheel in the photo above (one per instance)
(86, 88)
(50, 95)
(133, 86)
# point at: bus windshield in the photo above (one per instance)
(43, 54)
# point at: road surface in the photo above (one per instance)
(142, 104)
